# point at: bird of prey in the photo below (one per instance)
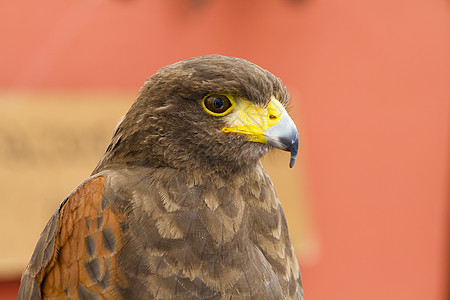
(179, 206)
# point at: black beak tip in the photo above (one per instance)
(293, 148)
(292, 162)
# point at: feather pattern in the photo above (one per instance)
(175, 244)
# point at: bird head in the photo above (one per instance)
(211, 112)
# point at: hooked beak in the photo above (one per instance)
(271, 125)
(284, 136)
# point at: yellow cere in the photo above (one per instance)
(253, 120)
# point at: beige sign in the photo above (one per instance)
(49, 143)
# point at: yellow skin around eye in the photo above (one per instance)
(232, 101)
(253, 120)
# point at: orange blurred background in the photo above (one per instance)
(370, 87)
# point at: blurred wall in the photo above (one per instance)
(370, 86)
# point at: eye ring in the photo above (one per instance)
(217, 104)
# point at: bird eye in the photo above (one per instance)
(217, 104)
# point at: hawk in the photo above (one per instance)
(179, 206)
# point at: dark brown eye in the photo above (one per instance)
(217, 103)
